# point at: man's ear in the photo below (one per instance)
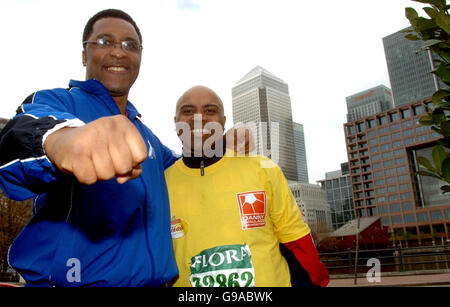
(84, 57)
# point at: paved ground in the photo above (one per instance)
(398, 280)
(407, 279)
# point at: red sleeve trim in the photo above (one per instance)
(306, 253)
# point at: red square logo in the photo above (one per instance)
(252, 207)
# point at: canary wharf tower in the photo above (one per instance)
(262, 99)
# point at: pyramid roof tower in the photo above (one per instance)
(257, 71)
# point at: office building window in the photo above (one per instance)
(373, 141)
(408, 132)
(371, 133)
(385, 146)
(394, 208)
(383, 130)
(400, 161)
(389, 172)
(361, 127)
(405, 113)
(382, 120)
(350, 130)
(387, 155)
(404, 187)
(407, 124)
(396, 135)
(377, 174)
(384, 138)
(436, 215)
(390, 180)
(388, 163)
(410, 218)
(381, 199)
(376, 165)
(370, 123)
(418, 110)
(422, 217)
(379, 182)
(395, 127)
(405, 196)
(408, 206)
(371, 211)
(402, 169)
(393, 117)
(392, 189)
(383, 209)
(393, 197)
(374, 149)
(396, 220)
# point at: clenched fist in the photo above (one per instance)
(101, 150)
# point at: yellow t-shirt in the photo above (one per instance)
(227, 224)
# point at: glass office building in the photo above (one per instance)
(261, 100)
(300, 153)
(338, 188)
(409, 69)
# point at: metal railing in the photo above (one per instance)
(398, 259)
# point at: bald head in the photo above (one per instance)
(200, 119)
(199, 94)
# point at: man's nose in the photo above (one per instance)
(117, 51)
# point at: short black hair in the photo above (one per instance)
(106, 14)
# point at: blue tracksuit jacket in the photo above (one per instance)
(105, 234)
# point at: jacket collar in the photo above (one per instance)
(95, 87)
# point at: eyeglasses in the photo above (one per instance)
(108, 43)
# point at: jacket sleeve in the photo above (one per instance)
(169, 157)
(24, 166)
(306, 253)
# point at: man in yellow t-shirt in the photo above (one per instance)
(229, 214)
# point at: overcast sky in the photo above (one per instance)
(324, 50)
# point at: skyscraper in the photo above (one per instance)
(409, 69)
(369, 102)
(262, 101)
(300, 153)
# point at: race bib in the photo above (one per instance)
(223, 266)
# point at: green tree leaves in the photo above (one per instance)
(435, 34)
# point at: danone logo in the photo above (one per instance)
(223, 266)
(252, 207)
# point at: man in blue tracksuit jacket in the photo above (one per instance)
(96, 172)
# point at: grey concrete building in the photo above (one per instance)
(312, 202)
